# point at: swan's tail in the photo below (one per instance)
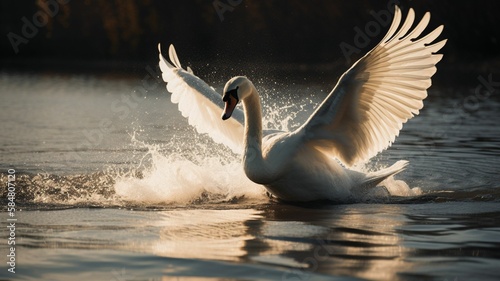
(374, 178)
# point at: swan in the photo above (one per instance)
(359, 118)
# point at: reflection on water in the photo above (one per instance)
(340, 241)
(369, 241)
(204, 234)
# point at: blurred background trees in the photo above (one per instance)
(281, 31)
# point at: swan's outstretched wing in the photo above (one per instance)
(201, 104)
(367, 108)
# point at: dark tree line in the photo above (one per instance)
(271, 30)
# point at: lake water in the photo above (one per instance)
(112, 184)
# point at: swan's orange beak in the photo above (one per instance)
(229, 106)
(231, 100)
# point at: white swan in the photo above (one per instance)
(360, 117)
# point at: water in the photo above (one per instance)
(112, 184)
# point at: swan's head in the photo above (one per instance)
(236, 89)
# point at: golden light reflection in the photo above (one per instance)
(204, 234)
(350, 242)
(338, 243)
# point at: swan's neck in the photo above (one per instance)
(254, 163)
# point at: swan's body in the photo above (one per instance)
(359, 118)
(288, 167)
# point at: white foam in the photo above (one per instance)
(400, 188)
(174, 179)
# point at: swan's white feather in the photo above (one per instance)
(201, 104)
(372, 100)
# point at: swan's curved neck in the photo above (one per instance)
(254, 164)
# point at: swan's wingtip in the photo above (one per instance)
(172, 54)
(171, 47)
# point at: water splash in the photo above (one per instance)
(400, 188)
(199, 171)
(177, 179)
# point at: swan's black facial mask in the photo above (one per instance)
(231, 93)
(231, 100)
